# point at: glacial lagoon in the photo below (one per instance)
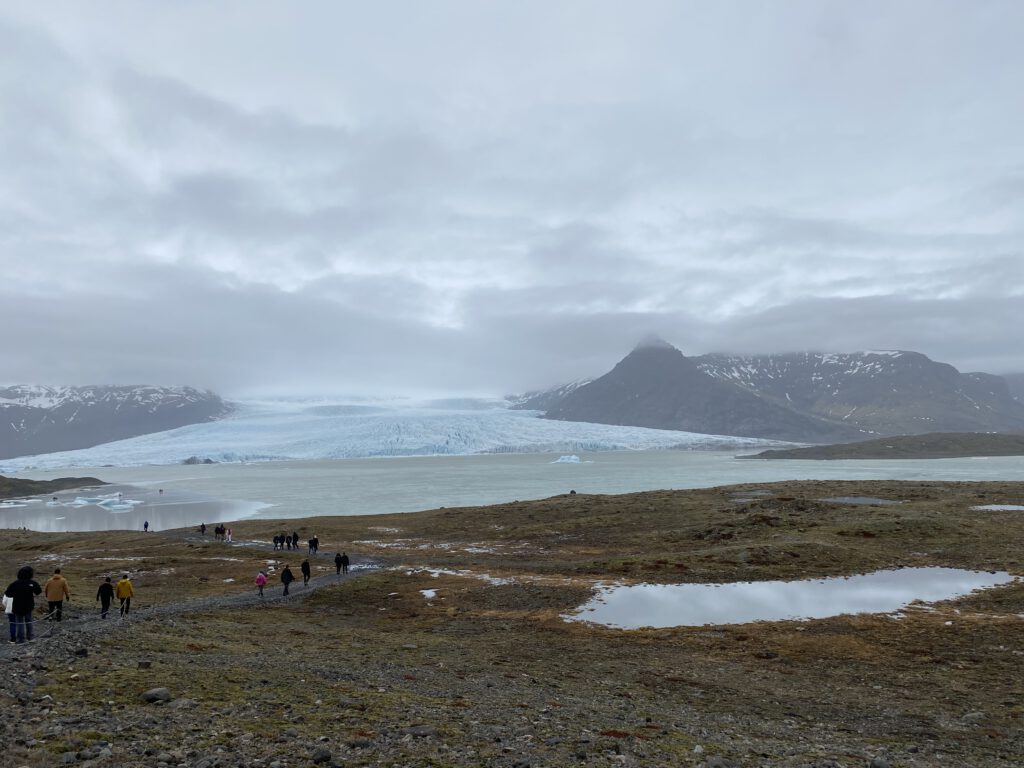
(289, 489)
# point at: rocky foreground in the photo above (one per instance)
(369, 670)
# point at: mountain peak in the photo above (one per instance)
(652, 341)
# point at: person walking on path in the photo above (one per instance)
(125, 593)
(316, 545)
(105, 594)
(305, 572)
(23, 591)
(344, 563)
(288, 541)
(57, 592)
(202, 529)
(229, 535)
(261, 582)
(287, 578)
(295, 539)
(145, 527)
(337, 563)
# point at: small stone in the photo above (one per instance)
(67, 758)
(360, 744)
(973, 717)
(521, 764)
(154, 695)
(81, 652)
(420, 731)
(165, 757)
(718, 762)
(321, 755)
(145, 664)
(878, 762)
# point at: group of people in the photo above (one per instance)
(341, 562)
(288, 541)
(20, 599)
(222, 533)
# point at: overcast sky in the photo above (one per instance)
(482, 197)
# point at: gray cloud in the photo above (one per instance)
(484, 202)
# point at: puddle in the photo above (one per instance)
(859, 500)
(757, 493)
(694, 605)
(1001, 507)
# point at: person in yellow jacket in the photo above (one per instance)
(124, 593)
(57, 592)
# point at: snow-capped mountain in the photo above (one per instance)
(40, 419)
(656, 386)
(266, 431)
(543, 399)
(804, 397)
(882, 392)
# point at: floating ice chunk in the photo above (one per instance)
(571, 459)
(429, 594)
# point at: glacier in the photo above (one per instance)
(290, 430)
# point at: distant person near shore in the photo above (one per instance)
(125, 592)
(145, 527)
(57, 591)
(228, 534)
(337, 563)
(261, 582)
(305, 572)
(287, 578)
(344, 563)
(288, 542)
(9, 610)
(105, 594)
(202, 529)
(22, 592)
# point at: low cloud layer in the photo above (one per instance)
(335, 198)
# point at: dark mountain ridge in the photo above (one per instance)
(803, 397)
(656, 386)
(38, 419)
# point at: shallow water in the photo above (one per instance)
(1001, 507)
(371, 486)
(174, 508)
(692, 605)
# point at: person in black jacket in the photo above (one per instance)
(344, 563)
(305, 572)
(23, 592)
(105, 594)
(337, 563)
(287, 578)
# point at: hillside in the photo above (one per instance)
(939, 445)
(16, 486)
(454, 652)
(37, 419)
(657, 386)
(801, 397)
(885, 393)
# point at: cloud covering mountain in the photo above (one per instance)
(332, 199)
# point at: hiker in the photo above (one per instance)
(309, 547)
(261, 582)
(124, 593)
(105, 594)
(287, 578)
(295, 539)
(337, 563)
(288, 541)
(316, 545)
(229, 535)
(56, 590)
(23, 592)
(202, 528)
(145, 527)
(305, 572)
(344, 563)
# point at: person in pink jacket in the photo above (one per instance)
(261, 581)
